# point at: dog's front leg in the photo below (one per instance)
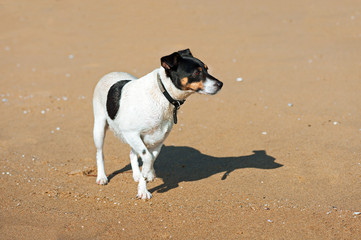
(135, 165)
(139, 148)
(155, 151)
(143, 192)
(147, 159)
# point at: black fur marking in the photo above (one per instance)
(182, 64)
(113, 98)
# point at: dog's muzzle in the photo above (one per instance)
(211, 85)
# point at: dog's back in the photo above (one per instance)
(102, 89)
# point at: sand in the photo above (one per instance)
(274, 155)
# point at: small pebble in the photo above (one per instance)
(290, 104)
(356, 213)
(269, 220)
(239, 79)
(42, 111)
(335, 123)
(71, 56)
(4, 100)
(58, 129)
(264, 133)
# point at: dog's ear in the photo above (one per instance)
(170, 61)
(185, 53)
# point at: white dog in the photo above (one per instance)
(142, 111)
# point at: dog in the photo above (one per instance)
(141, 112)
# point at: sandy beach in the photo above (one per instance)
(274, 155)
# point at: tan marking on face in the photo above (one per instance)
(200, 69)
(184, 82)
(205, 66)
(195, 86)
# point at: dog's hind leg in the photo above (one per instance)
(100, 126)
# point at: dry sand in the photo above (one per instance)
(274, 156)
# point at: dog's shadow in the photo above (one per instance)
(181, 164)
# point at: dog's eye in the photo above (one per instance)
(197, 72)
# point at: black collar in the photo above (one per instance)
(175, 103)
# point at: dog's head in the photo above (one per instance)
(189, 73)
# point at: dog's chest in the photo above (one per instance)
(158, 132)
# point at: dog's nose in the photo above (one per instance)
(219, 84)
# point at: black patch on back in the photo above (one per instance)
(113, 98)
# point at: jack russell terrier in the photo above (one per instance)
(141, 112)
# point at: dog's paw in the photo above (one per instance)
(145, 194)
(102, 180)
